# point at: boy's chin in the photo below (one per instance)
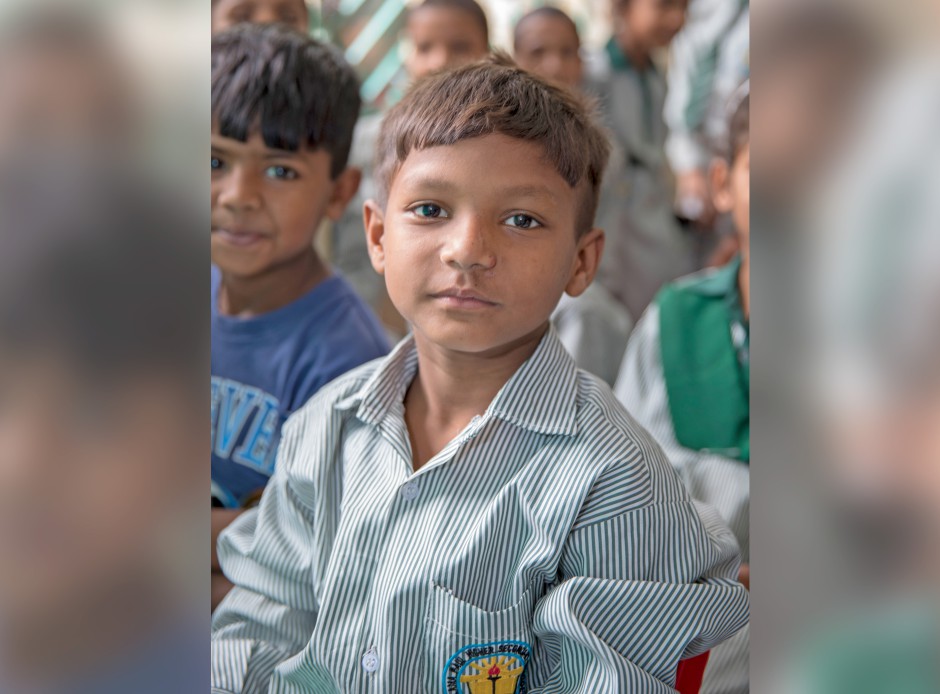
(481, 341)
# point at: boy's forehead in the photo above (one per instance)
(452, 19)
(538, 30)
(526, 170)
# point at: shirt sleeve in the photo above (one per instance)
(721, 482)
(691, 78)
(269, 554)
(640, 590)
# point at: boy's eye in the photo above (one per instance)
(217, 163)
(523, 221)
(429, 211)
(281, 172)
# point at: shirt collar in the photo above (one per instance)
(722, 281)
(541, 396)
(618, 60)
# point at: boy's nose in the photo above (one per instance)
(469, 247)
(240, 191)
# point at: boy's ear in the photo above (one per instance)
(587, 260)
(718, 175)
(374, 220)
(345, 187)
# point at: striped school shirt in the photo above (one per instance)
(548, 548)
(723, 483)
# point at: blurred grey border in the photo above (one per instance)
(104, 346)
(845, 346)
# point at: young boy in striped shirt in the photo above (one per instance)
(473, 513)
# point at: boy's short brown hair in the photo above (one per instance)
(495, 96)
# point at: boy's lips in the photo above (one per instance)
(464, 298)
(238, 237)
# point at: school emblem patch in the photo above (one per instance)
(488, 668)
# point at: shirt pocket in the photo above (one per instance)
(469, 650)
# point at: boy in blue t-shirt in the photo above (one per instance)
(283, 111)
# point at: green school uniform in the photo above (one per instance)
(705, 345)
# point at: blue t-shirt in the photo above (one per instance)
(265, 367)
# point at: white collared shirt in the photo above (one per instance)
(549, 547)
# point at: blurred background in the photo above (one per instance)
(372, 34)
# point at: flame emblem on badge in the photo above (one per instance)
(496, 675)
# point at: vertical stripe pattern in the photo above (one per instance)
(551, 525)
(722, 483)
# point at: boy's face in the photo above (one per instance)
(443, 37)
(227, 13)
(732, 192)
(268, 203)
(549, 47)
(478, 242)
(653, 23)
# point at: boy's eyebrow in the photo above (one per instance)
(430, 183)
(269, 152)
(444, 186)
(529, 191)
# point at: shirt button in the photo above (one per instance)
(410, 491)
(370, 661)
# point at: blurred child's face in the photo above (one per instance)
(478, 242)
(227, 13)
(653, 23)
(732, 192)
(549, 47)
(91, 476)
(268, 203)
(443, 37)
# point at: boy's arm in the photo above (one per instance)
(269, 554)
(641, 589)
(641, 388)
(221, 519)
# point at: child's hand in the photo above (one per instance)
(744, 575)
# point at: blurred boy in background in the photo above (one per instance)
(283, 325)
(440, 34)
(594, 326)
(708, 59)
(645, 244)
(445, 33)
(686, 378)
(546, 42)
(228, 13)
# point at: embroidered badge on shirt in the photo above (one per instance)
(489, 668)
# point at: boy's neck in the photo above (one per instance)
(246, 297)
(450, 388)
(636, 54)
